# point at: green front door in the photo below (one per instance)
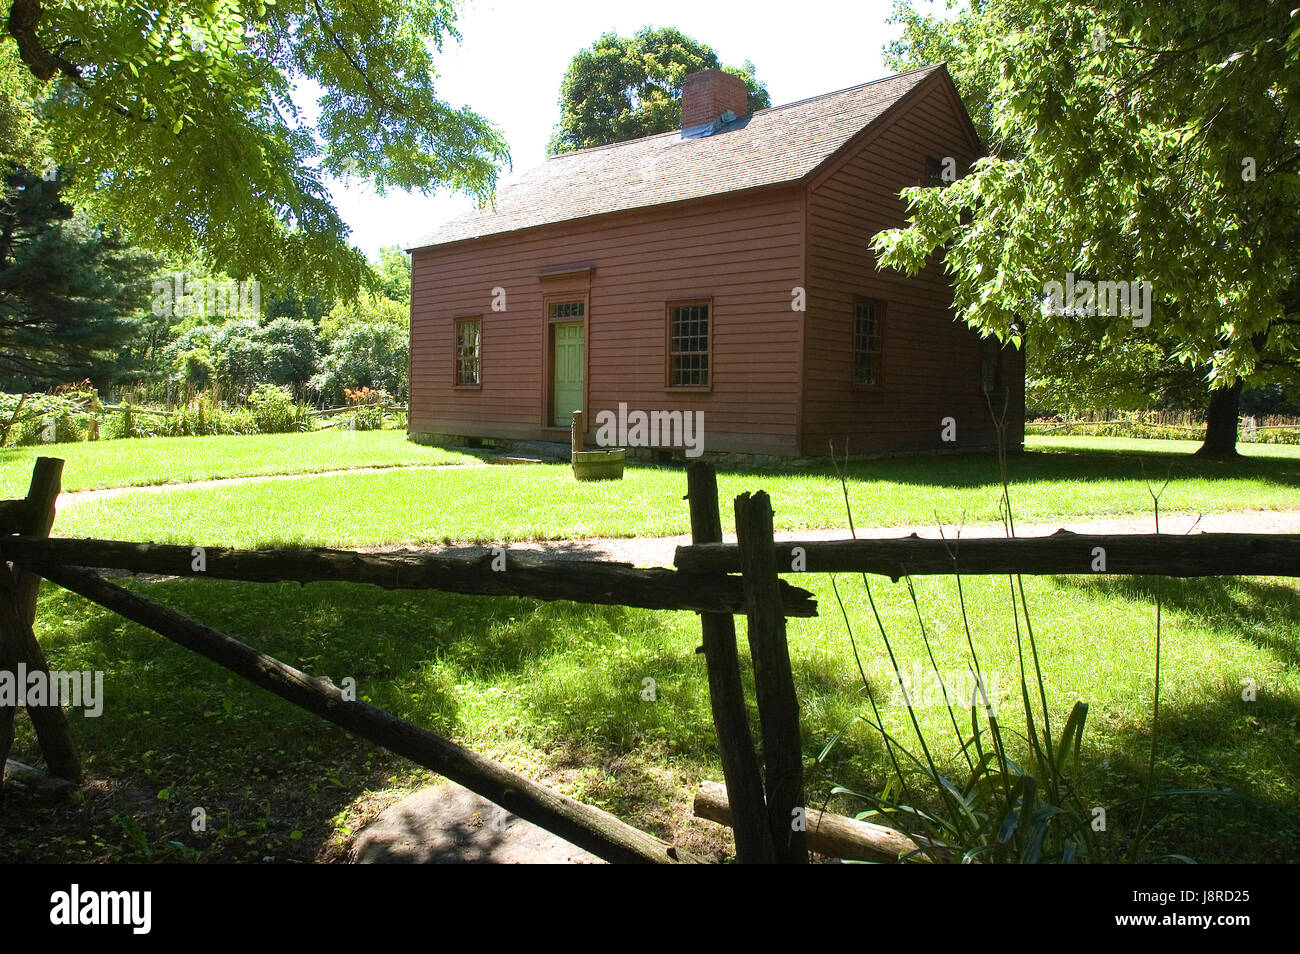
(568, 372)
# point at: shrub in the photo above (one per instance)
(246, 354)
(374, 356)
(274, 411)
(47, 418)
(368, 413)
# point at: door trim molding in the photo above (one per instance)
(548, 352)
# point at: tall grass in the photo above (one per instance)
(1012, 796)
(33, 419)
(1165, 425)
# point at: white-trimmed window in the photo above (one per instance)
(688, 344)
(469, 358)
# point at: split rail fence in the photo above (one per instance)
(717, 580)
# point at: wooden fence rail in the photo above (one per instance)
(740, 768)
(764, 831)
(522, 572)
(585, 826)
(1201, 554)
(19, 588)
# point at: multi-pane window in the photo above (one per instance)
(688, 346)
(868, 337)
(935, 172)
(567, 309)
(468, 351)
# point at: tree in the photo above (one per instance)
(179, 124)
(1079, 373)
(624, 88)
(245, 354)
(65, 287)
(365, 310)
(372, 356)
(367, 340)
(1152, 148)
(394, 273)
(283, 300)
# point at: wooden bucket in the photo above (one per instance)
(599, 464)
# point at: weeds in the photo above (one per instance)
(996, 807)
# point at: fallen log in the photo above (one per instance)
(495, 571)
(1201, 554)
(828, 834)
(597, 831)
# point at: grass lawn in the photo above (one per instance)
(1059, 477)
(555, 691)
(92, 465)
(1130, 445)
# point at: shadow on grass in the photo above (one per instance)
(179, 732)
(1265, 612)
(1215, 741)
(980, 469)
(1209, 736)
(1028, 467)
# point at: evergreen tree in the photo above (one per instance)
(67, 287)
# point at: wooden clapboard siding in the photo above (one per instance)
(744, 253)
(931, 365)
(781, 380)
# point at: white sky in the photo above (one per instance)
(513, 55)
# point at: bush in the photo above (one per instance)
(274, 411)
(246, 354)
(46, 418)
(374, 356)
(1162, 426)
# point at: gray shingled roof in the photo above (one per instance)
(780, 144)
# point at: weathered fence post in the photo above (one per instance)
(778, 705)
(575, 432)
(726, 694)
(18, 593)
(8, 663)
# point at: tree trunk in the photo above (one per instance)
(1221, 424)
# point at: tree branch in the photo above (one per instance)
(24, 17)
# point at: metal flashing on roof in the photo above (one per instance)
(708, 129)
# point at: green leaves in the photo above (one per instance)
(624, 88)
(185, 114)
(1154, 145)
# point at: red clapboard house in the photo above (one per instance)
(720, 274)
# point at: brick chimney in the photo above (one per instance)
(708, 94)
